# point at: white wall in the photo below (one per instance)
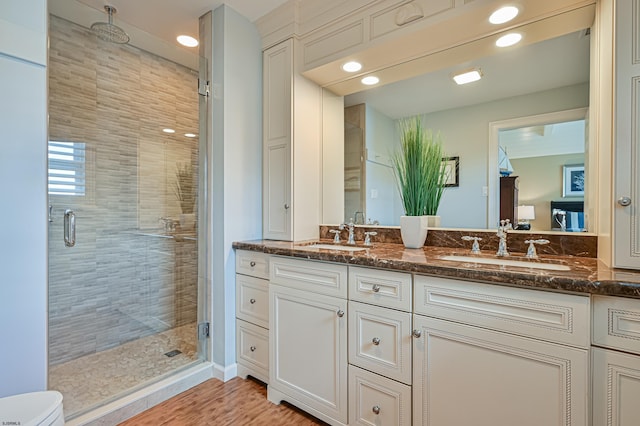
(465, 133)
(23, 212)
(381, 140)
(236, 166)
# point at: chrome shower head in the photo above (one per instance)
(108, 31)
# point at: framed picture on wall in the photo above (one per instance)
(573, 180)
(451, 167)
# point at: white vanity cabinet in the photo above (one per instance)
(308, 337)
(379, 347)
(616, 374)
(291, 147)
(472, 363)
(252, 314)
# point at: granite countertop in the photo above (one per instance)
(585, 275)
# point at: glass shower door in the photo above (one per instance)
(123, 237)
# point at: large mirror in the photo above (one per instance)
(479, 123)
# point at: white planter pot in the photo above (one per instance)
(413, 230)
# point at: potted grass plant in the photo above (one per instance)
(417, 165)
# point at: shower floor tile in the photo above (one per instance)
(94, 379)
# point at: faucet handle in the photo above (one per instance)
(475, 247)
(336, 236)
(531, 251)
(367, 237)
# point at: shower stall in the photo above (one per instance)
(124, 185)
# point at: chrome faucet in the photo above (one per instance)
(531, 251)
(505, 225)
(351, 227)
(367, 238)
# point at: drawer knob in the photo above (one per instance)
(252, 263)
(375, 288)
(376, 409)
(376, 341)
(340, 313)
(252, 301)
(417, 333)
(253, 348)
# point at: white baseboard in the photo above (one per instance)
(225, 373)
(139, 401)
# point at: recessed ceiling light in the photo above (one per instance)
(352, 66)
(167, 130)
(508, 39)
(190, 135)
(188, 41)
(468, 76)
(370, 80)
(504, 14)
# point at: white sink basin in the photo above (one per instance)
(508, 262)
(333, 247)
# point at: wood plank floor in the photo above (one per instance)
(237, 402)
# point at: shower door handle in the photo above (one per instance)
(69, 228)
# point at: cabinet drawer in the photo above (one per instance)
(380, 340)
(616, 323)
(378, 287)
(318, 277)
(376, 400)
(252, 350)
(253, 263)
(252, 300)
(554, 317)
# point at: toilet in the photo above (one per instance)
(32, 409)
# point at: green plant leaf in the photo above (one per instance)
(418, 168)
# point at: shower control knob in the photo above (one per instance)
(624, 201)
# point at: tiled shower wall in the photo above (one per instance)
(128, 276)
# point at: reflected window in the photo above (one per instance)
(67, 168)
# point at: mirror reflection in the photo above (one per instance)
(518, 85)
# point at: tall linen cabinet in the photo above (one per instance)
(292, 130)
(627, 135)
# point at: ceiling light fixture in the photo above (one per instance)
(509, 39)
(187, 41)
(504, 14)
(352, 66)
(168, 130)
(190, 135)
(468, 76)
(370, 80)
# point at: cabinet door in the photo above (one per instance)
(465, 375)
(627, 135)
(277, 130)
(308, 351)
(616, 386)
